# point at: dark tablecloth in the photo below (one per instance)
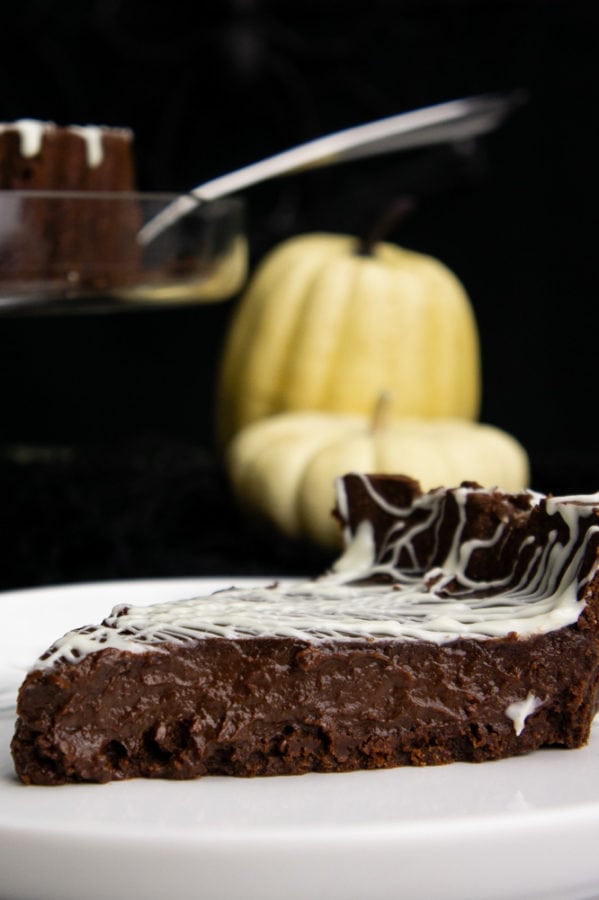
(143, 509)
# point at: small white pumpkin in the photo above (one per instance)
(283, 467)
(323, 326)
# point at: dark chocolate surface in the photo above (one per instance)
(278, 706)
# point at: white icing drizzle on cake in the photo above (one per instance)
(519, 711)
(32, 131)
(31, 134)
(94, 147)
(438, 604)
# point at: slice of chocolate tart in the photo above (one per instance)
(458, 625)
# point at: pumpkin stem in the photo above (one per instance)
(381, 417)
(399, 210)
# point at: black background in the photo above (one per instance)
(209, 90)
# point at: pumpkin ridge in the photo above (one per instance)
(244, 339)
(267, 375)
(302, 389)
(336, 376)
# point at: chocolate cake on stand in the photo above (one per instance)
(55, 227)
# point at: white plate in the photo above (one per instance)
(519, 828)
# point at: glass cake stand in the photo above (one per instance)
(65, 252)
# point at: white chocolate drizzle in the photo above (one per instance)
(537, 584)
(94, 148)
(31, 134)
(519, 711)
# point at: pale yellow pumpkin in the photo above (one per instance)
(321, 327)
(283, 467)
